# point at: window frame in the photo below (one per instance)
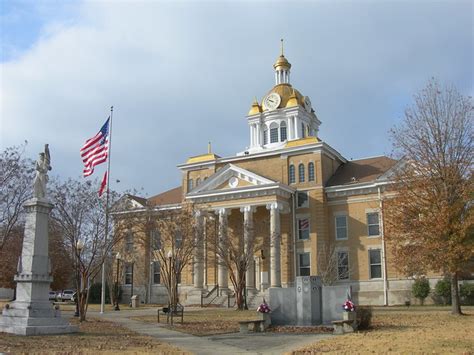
(301, 173)
(283, 129)
(339, 266)
(274, 134)
(305, 267)
(129, 242)
(379, 264)
(265, 136)
(311, 172)
(367, 213)
(300, 230)
(292, 174)
(305, 203)
(128, 274)
(156, 272)
(336, 228)
(190, 184)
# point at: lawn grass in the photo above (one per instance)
(421, 329)
(95, 336)
(209, 321)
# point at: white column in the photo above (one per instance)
(222, 273)
(297, 128)
(290, 128)
(199, 252)
(275, 239)
(249, 243)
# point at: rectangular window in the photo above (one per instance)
(265, 137)
(373, 224)
(303, 228)
(129, 242)
(155, 240)
(341, 227)
(128, 274)
(302, 199)
(342, 265)
(303, 131)
(283, 133)
(178, 239)
(156, 272)
(273, 135)
(304, 264)
(375, 262)
(291, 174)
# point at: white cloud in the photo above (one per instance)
(180, 74)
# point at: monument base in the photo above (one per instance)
(34, 318)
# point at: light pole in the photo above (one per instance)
(117, 308)
(79, 247)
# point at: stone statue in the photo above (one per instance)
(41, 178)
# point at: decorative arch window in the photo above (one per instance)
(198, 181)
(265, 135)
(190, 184)
(311, 171)
(291, 174)
(273, 133)
(301, 172)
(283, 135)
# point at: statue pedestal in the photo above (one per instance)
(32, 313)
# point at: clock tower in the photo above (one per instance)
(283, 114)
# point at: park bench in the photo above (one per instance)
(343, 326)
(258, 326)
(171, 312)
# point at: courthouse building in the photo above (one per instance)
(319, 205)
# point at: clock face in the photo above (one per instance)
(272, 101)
(307, 104)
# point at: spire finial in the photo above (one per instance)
(281, 47)
(209, 150)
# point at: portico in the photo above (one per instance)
(235, 192)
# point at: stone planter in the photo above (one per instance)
(267, 320)
(349, 316)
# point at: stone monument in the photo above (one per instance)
(32, 313)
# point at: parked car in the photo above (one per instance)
(67, 295)
(52, 296)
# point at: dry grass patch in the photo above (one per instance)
(209, 321)
(94, 336)
(402, 330)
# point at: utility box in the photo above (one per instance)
(135, 301)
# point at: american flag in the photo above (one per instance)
(304, 223)
(96, 150)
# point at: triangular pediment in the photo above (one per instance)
(231, 177)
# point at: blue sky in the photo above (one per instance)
(184, 72)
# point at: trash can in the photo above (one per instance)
(135, 301)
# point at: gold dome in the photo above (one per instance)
(290, 97)
(282, 63)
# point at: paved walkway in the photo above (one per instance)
(235, 343)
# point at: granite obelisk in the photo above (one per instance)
(32, 313)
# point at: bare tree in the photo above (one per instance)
(80, 216)
(430, 220)
(236, 251)
(16, 179)
(175, 237)
(333, 265)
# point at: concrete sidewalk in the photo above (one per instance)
(234, 343)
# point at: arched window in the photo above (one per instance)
(291, 174)
(273, 133)
(265, 136)
(283, 132)
(198, 181)
(303, 130)
(190, 184)
(301, 172)
(311, 171)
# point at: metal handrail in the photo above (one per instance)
(214, 289)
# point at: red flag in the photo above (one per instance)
(103, 184)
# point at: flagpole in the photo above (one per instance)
(102, 291)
